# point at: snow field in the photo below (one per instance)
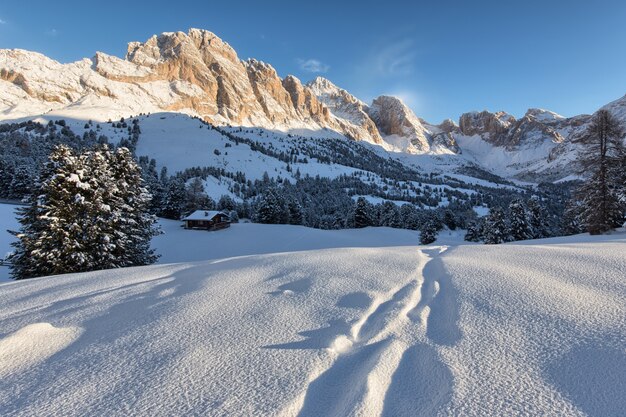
(285, 320)
(543, 325)
(222, 337)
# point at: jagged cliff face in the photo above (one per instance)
(233, 91)
(540, 146)
(502, 129)
(194, 72)
(347, 109)
(198, 73)
(400, 125)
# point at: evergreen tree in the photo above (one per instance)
(537, 219)
(90, 213)
(518, 221)
(31, 226)
(390, 215)
(495, 230)
(269, 210)
(361, 213)
(571, 224)
(196, 198)
(449, 220)
(428, 232)
(133, 225)
(603, 157)
(226, 203)
(474, 232)
(409, 215)
(233, 216)
(175, 197)
(295, 213)
(21, 182)
(600, 210)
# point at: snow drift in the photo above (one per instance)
(527, 328)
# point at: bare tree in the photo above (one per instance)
(602, 161)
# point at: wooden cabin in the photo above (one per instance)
(207, 220)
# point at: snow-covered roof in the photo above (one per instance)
(203, 215)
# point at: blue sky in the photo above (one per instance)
(442, 57)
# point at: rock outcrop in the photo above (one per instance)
(194, 72)
(400, 126)
(350, 112)
(503, 130)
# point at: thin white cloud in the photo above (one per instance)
(313, 65)
(395, 59)
(52, 32)
(3, 22)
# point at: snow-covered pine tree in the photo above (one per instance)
(390, 215)
(519, 226)
(570, 223)
(428, 232)
(537, 219)
(495, 230)
(603, 158)
(295, 212)
(90, 213)
(474, 232)
(410, 218)
(21, 182)
(268, 208)
(227, 203)
(58, 242)
(174, 201)
(600, 210)
(361, 213)
(28, 217)
(134, 226)
(153, 183)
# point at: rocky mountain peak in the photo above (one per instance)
(349, 112)
(394, 118)
(196, 72)
(485, 123)
(541, 115)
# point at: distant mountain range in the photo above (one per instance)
(198, 74)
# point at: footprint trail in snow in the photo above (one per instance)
(381, 360)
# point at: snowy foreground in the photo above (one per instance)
(535, 328)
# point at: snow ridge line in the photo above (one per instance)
(366, 378)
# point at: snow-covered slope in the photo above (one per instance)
(540, 146)
(533, 328)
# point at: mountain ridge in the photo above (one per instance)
(199, 74)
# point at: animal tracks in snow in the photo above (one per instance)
(382, 357)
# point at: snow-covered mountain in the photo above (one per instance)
(195, 73)
(406, 131)
(199, 74)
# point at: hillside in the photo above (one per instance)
(406, 330)
(323, 171)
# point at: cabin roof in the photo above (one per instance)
(203, 215)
